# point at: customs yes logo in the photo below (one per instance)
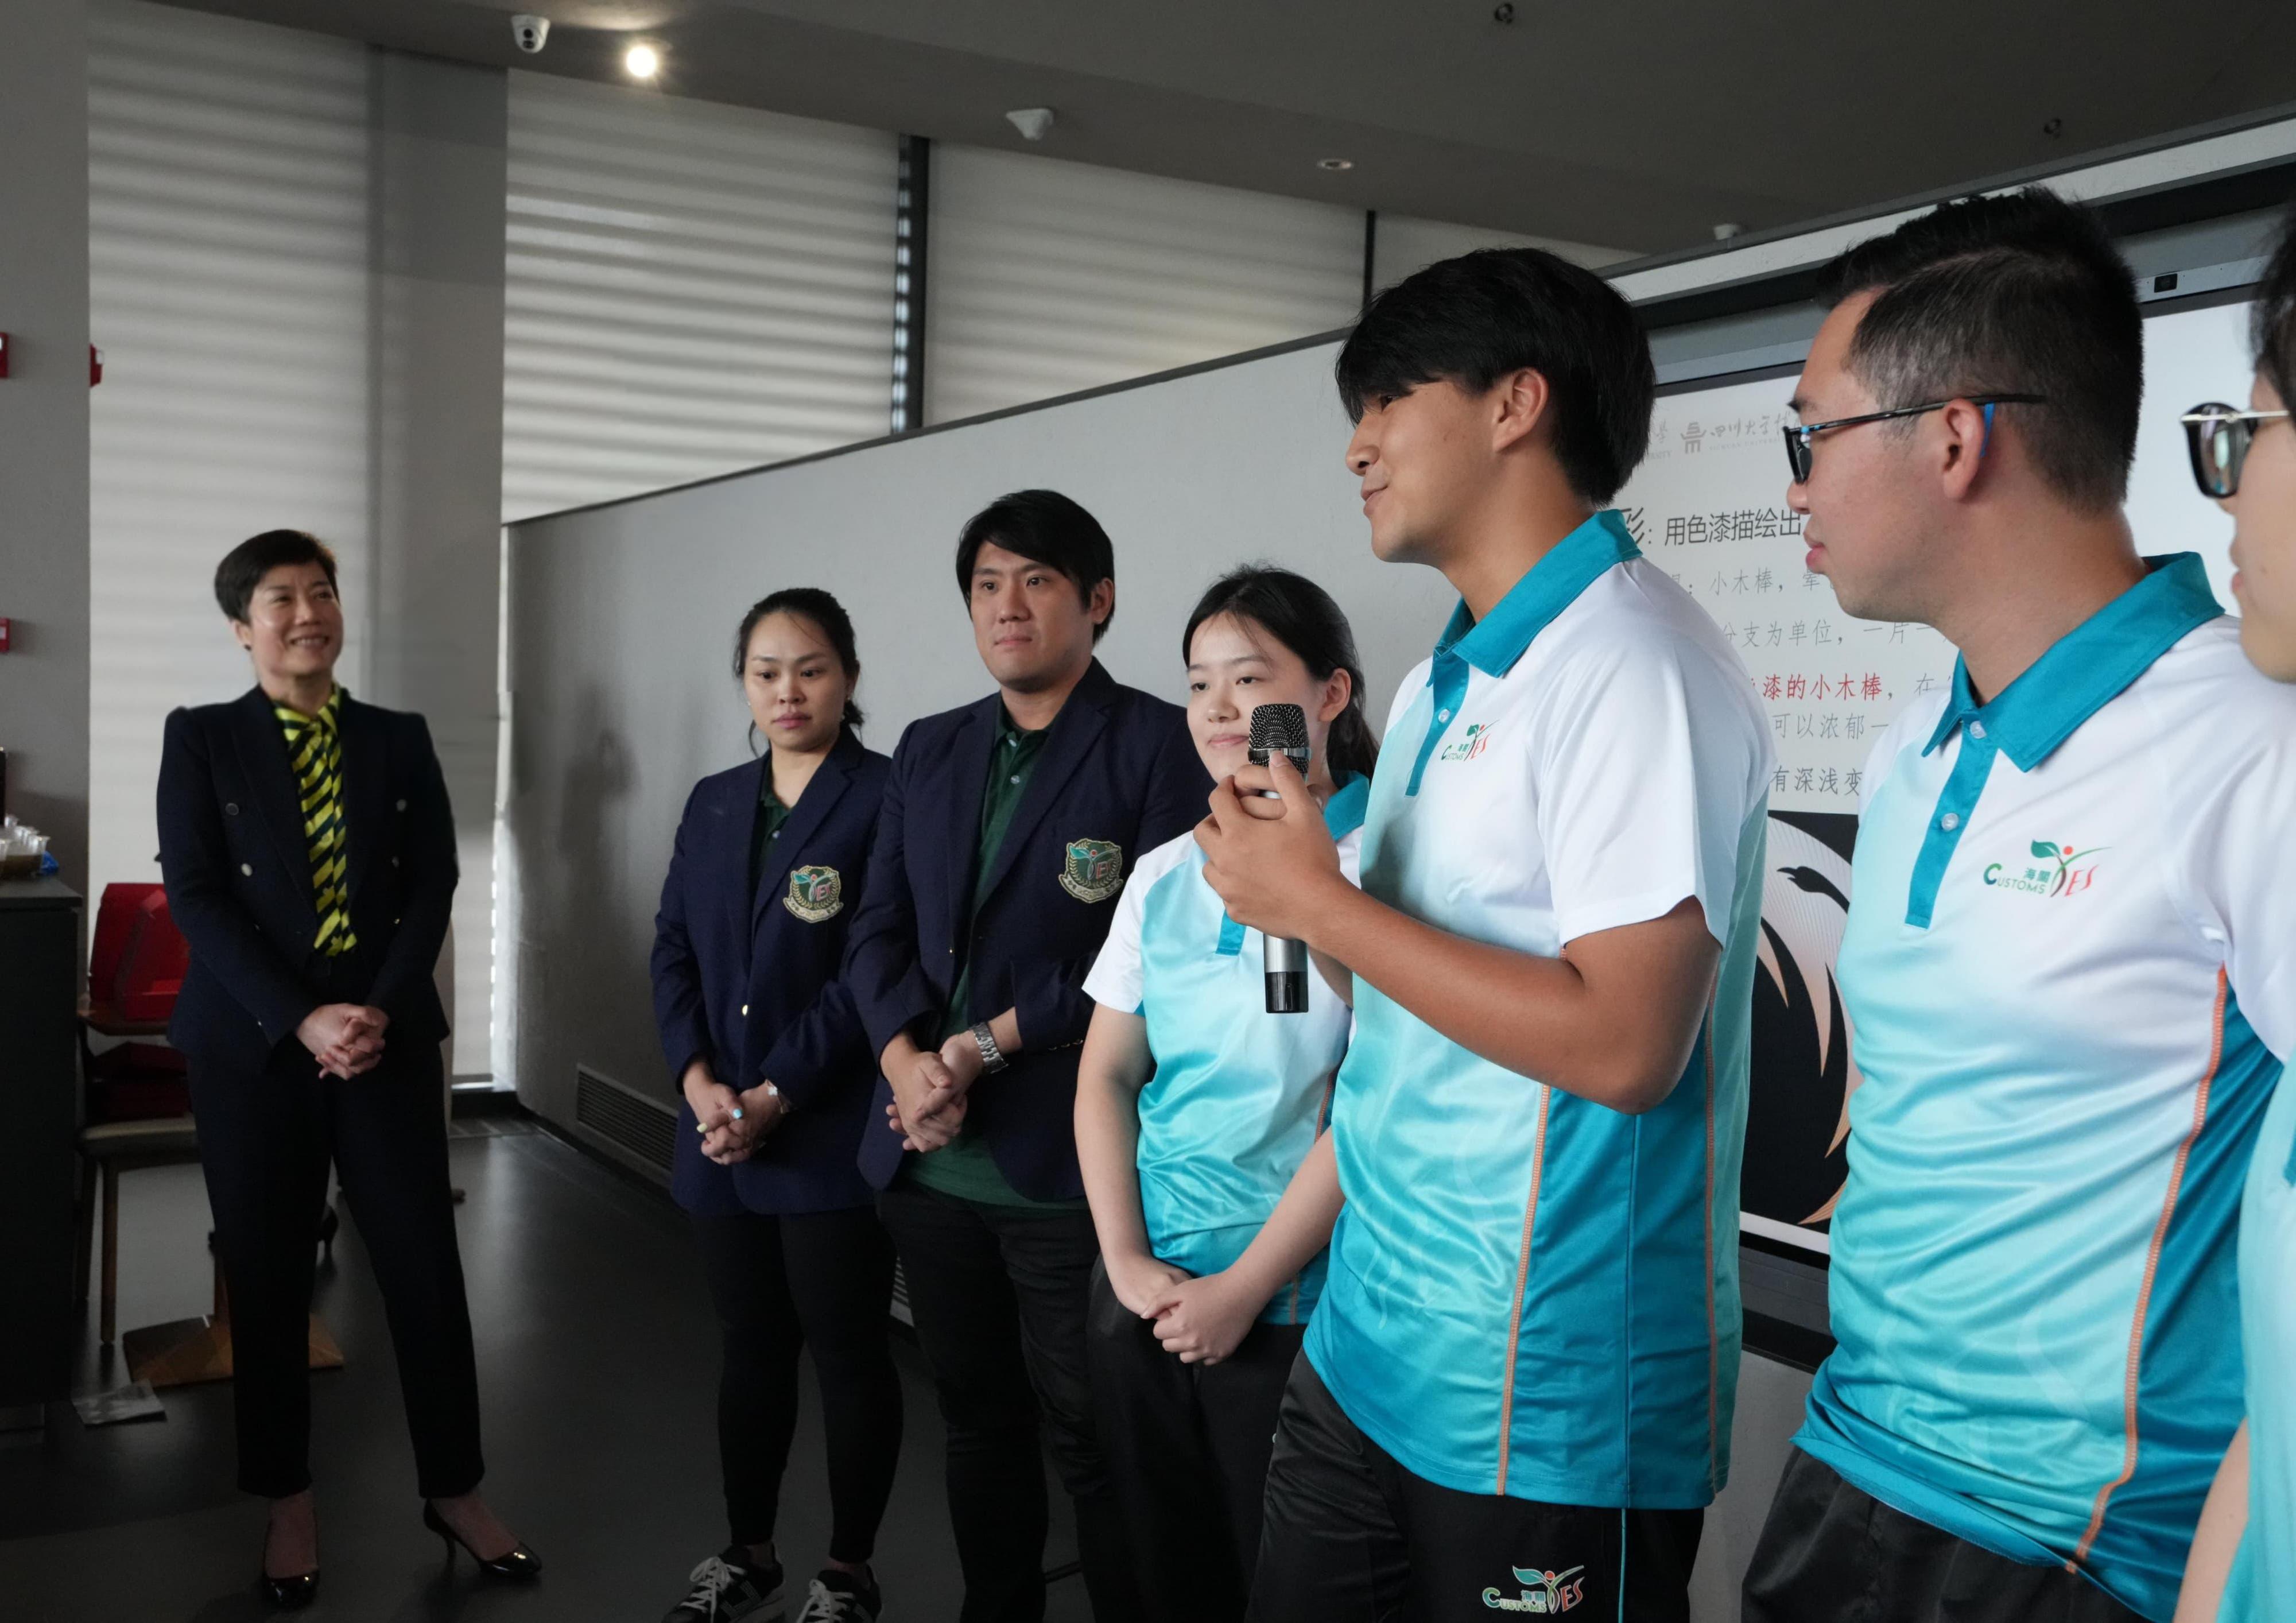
(2057, 870)
(815, 894)
(1094, 870)
(1543, 1593)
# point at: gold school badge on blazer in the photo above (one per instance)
(1094, 870)
(815, 894)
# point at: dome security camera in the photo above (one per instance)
(529, 31)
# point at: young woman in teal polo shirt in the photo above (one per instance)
(1198, 1120)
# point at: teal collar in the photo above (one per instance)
(2089, 666)
(1553, 584)
(1343, 813)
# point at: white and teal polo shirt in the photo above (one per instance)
(1531, 1294)
(2069, 963)
(2262, 1588)
(1238, 1093)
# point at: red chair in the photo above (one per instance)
(139, 1102)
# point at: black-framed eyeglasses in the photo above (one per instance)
(2219, 437)
(1799, 434)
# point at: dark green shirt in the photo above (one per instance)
(965, 1168)
(771, 815)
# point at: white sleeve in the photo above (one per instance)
(1114, 980)
(2238, 869)
(1648, 768)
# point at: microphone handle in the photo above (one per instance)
(1284, 963)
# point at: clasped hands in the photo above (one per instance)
(345, 1037)
(1199, 1320)
(732, 1123)
(930, 1089)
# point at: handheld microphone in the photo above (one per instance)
(1282, 729)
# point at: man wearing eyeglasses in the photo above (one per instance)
(2067, 963)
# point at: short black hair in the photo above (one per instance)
(1473, 320)
(1044, 527)
(243, 567)
(2024, 293)
(2273, 318)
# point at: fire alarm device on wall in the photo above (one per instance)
(4, 355)
(3, 634)
(94, 366)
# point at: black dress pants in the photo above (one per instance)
(1188, 1444)
(1832, 1553)
(825, 1281)
(266, 1140)
(999, 1295)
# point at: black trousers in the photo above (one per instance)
(999, 1295)
(1351, 1536)
(823, 1280)
(1833, 1553)
(1188, 1444)
(266, 1140)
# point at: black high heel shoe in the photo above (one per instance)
(288, 1594)
(521, 1565)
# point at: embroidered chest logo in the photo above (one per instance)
(1094, 870)
(815, 894)
(1470, 743)
(1543, 1595)
(2061, 870)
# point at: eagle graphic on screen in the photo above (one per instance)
(1803, 1071)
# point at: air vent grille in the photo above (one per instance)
(635, 1129)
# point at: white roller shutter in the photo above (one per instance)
(690, 289)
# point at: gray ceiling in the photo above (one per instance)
(1634, 124)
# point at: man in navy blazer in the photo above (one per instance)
(308, 852)
(1009, 826)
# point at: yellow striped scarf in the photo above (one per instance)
(314, 747)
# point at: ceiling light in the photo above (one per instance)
(1335, 164)
(642, 61)
(1033, 123)
(1727, 229)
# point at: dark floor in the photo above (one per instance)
(597, 1356)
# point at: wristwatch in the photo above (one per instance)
(992, 1057)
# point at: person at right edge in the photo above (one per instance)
(1516, 1390)
(2243, 1569)
(2067, 962)
(1008, 829)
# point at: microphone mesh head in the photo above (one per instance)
(1278, 728)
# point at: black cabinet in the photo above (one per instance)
(39, 1125)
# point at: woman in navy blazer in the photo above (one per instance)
(311, 1029)
(776, 1074)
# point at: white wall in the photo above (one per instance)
(1403, 244)
(44, 404)
(624, 618)
(1043, 278)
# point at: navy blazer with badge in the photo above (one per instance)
(237, 865)
(1118, 770)
(754, 986)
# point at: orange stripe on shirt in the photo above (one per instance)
(2145, 1292)
(1521, 1279)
